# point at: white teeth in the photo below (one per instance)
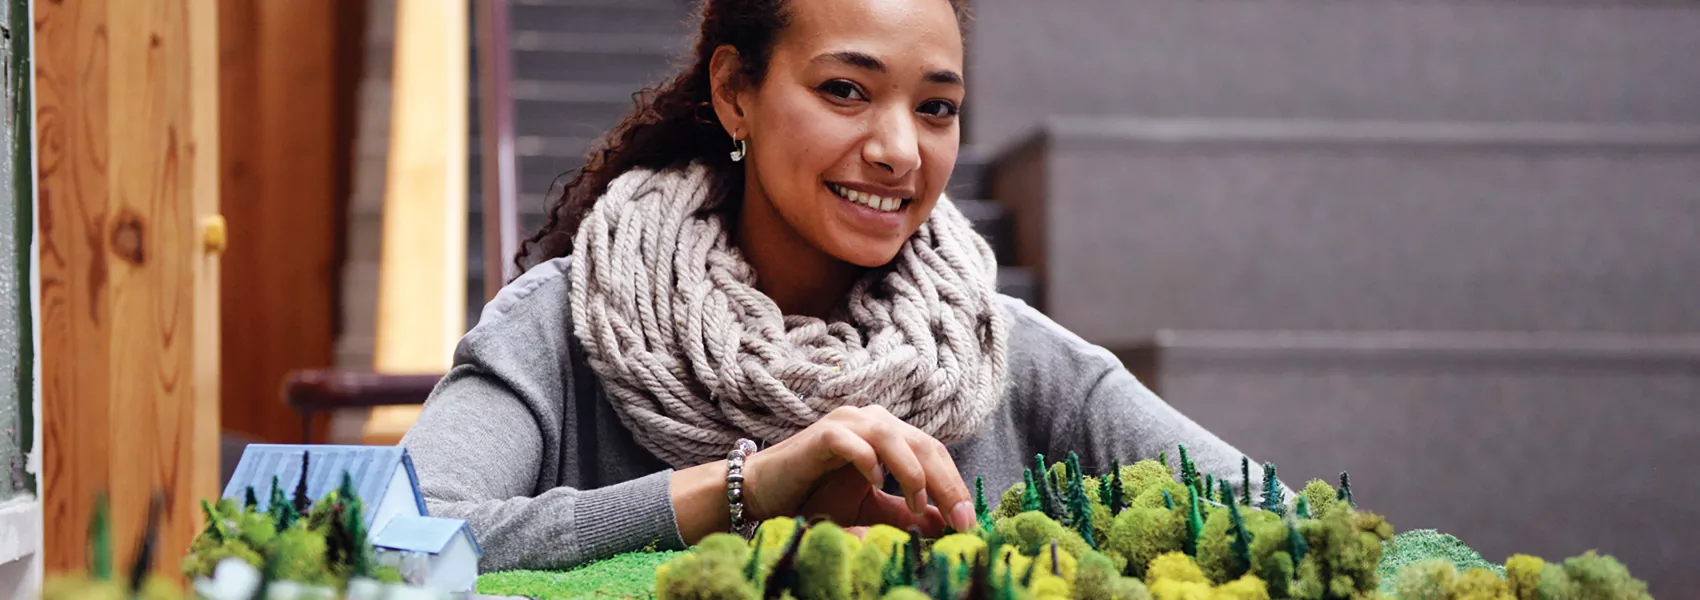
(879, 203)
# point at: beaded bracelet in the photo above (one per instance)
(735, 486)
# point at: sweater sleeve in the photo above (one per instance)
(487, 448)
(1099, 410)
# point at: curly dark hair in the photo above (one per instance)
(673, 124)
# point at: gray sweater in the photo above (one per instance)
(520, 440)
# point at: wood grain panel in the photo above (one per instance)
(288, 71)
(130, 403)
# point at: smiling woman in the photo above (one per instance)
(756, 301)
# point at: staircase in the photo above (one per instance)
(1450, 246)
(576, 64)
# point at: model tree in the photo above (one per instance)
(1245, 480)
(1118, 493)
(1030, 495)
(1272, 498)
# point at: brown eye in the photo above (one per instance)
(938, 109)
(842, 90)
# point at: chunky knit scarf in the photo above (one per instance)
(693, 357)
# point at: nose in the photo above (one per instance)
(892, 144)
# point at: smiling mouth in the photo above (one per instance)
(879, 203)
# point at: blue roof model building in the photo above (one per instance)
(383, 476)
(424, 534)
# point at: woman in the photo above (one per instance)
(762, 250)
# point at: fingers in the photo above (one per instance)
(945, 483)
(921, 464)
(845, 444)
(882, 508)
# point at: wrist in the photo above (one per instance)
(699, 500)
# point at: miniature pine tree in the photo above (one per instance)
(1163, 457)
(1118, 493)
(215, 524)
(753, 565)
(1303, 508)
(1187, 474)
(302, 502)
(1245, 480)
(144, 552)
(1030, 494)
(249, 501)
(1168, 500)
(1104, 482)
(1081, 507)
(982, 513)
(1194, 522)
(1345, 491)
(1210, 485)
(282, 512)
(1272, 500)
(1241, 544)
(1296, 545)
(913, 568)
(1043, 480)
(100, 541)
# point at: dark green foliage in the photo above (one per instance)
(1272, 500)
(1163, 457)
(1194, 522)
(1345, 492)
(144, 552)
(783, 577)
(100, 541)
(302, 503)
(1245, 480)
(982, 512)
(1030, 495)
(282, 512)
(1189, 477)
(1303, 508)
(1210, 485)
(1241, 544)
(1168, 500)
(215, 524)
(1081, 510)
(1118, 493)
(1048, 500)
(249, 500)
(753, 565)
(1296, 546)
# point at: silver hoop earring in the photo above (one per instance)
(738, 155)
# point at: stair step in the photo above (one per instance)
(1230, 224)
(1462, 415)
(662, 18)
(1458, 60)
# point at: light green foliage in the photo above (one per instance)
(906, 593)
(1481, 584)
(1319, 495)
(1590, 575)
(1271, 551)
(703, 575)
(1247, 587)
(1010, 504)
(958, 548)
(824, 562)
(868, 571)
(1345, 547)
(1152, 495)
(1142, 534)
(1215, 554)
(78, 587)
(1097, 578)
(774, 534)
(299, 555)
(1144, 475)
(1523, 572)
(1030, 531)
(1419, 545)
(1425, 580)
(1174, 566)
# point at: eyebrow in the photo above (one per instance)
(865, 61)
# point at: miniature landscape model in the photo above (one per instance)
(1140, 531)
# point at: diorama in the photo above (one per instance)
(1141, 531)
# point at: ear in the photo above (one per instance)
(725, 85)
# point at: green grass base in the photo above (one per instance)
(1418, 545)
(624, 576)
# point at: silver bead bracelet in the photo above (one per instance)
(735, 487)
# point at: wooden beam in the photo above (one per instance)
(127, 108)
(422, 272)
(287, 71)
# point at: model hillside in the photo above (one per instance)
(1135, 532)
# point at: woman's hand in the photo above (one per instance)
(835, 468)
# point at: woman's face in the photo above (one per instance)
(853, 132)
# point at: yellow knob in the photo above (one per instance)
(214, 234)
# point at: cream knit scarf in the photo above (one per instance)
(693, 357)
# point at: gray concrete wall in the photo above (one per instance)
(1541, 444)
(1468, 60)
(1135, 226)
